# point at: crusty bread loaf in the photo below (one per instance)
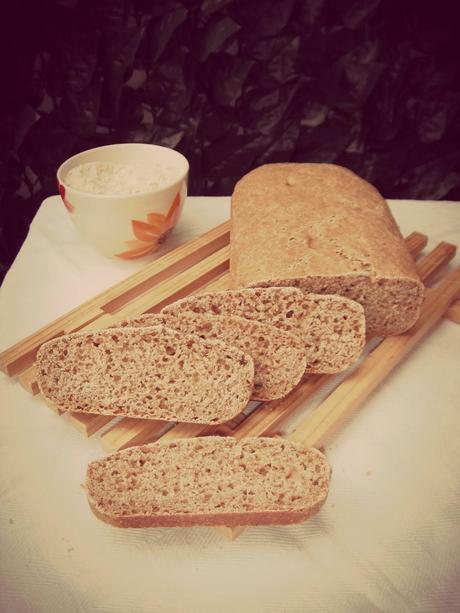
(154, 373)
(331, 327)
(279, 356)
(323, 229)
(208, 481)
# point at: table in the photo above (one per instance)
(387, 539)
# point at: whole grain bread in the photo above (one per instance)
(154, 373)
(322, 228)
(209, 481)
(332, 328)
(279, 356)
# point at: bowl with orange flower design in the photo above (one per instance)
(125, 199)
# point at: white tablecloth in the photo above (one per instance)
(386, 540)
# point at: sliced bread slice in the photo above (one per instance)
(154, 373)
(279, 356)
(332, 327)
(209, 481)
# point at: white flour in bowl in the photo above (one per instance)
(119, 179)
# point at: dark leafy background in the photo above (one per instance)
(369, 84)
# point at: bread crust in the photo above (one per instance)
(310, 225)
(268, 518)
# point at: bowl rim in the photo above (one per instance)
(165, 187)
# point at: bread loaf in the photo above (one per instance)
(332, 328)
(208, 481)
(321, 228)
(154, 373)
(279, 356)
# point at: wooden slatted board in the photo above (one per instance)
(202, 265)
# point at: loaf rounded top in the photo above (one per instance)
(328, 221)
(292, 171)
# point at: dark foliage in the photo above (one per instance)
(232, 84)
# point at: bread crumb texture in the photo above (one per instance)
(332, 328)
(279, 356)
(154, 373)
(201, 481)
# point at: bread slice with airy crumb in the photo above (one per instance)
(209, 481)
(152, 373)
(279, 356)
(332, 327)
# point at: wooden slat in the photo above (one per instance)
(177, 287)
(185, 431)
(83, 320)
(28, 380)
(350, 395)
(218, 285)
(222, 430)
(194, 252)
(235, 421)
(453, 312)
(27, 359)
(197, 249)
(131, 431)
(431, 264)
(416, 243)
(22, 354)
(272, 414)
(89, 424)
(105, 321)
(182, 430)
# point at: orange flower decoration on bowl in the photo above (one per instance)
(152, 233)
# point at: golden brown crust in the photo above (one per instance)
(301, 222)
(269, 518)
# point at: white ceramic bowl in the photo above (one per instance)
(127, 226)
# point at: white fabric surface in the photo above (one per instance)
(386, 540)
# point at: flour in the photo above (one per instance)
(119, 179)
